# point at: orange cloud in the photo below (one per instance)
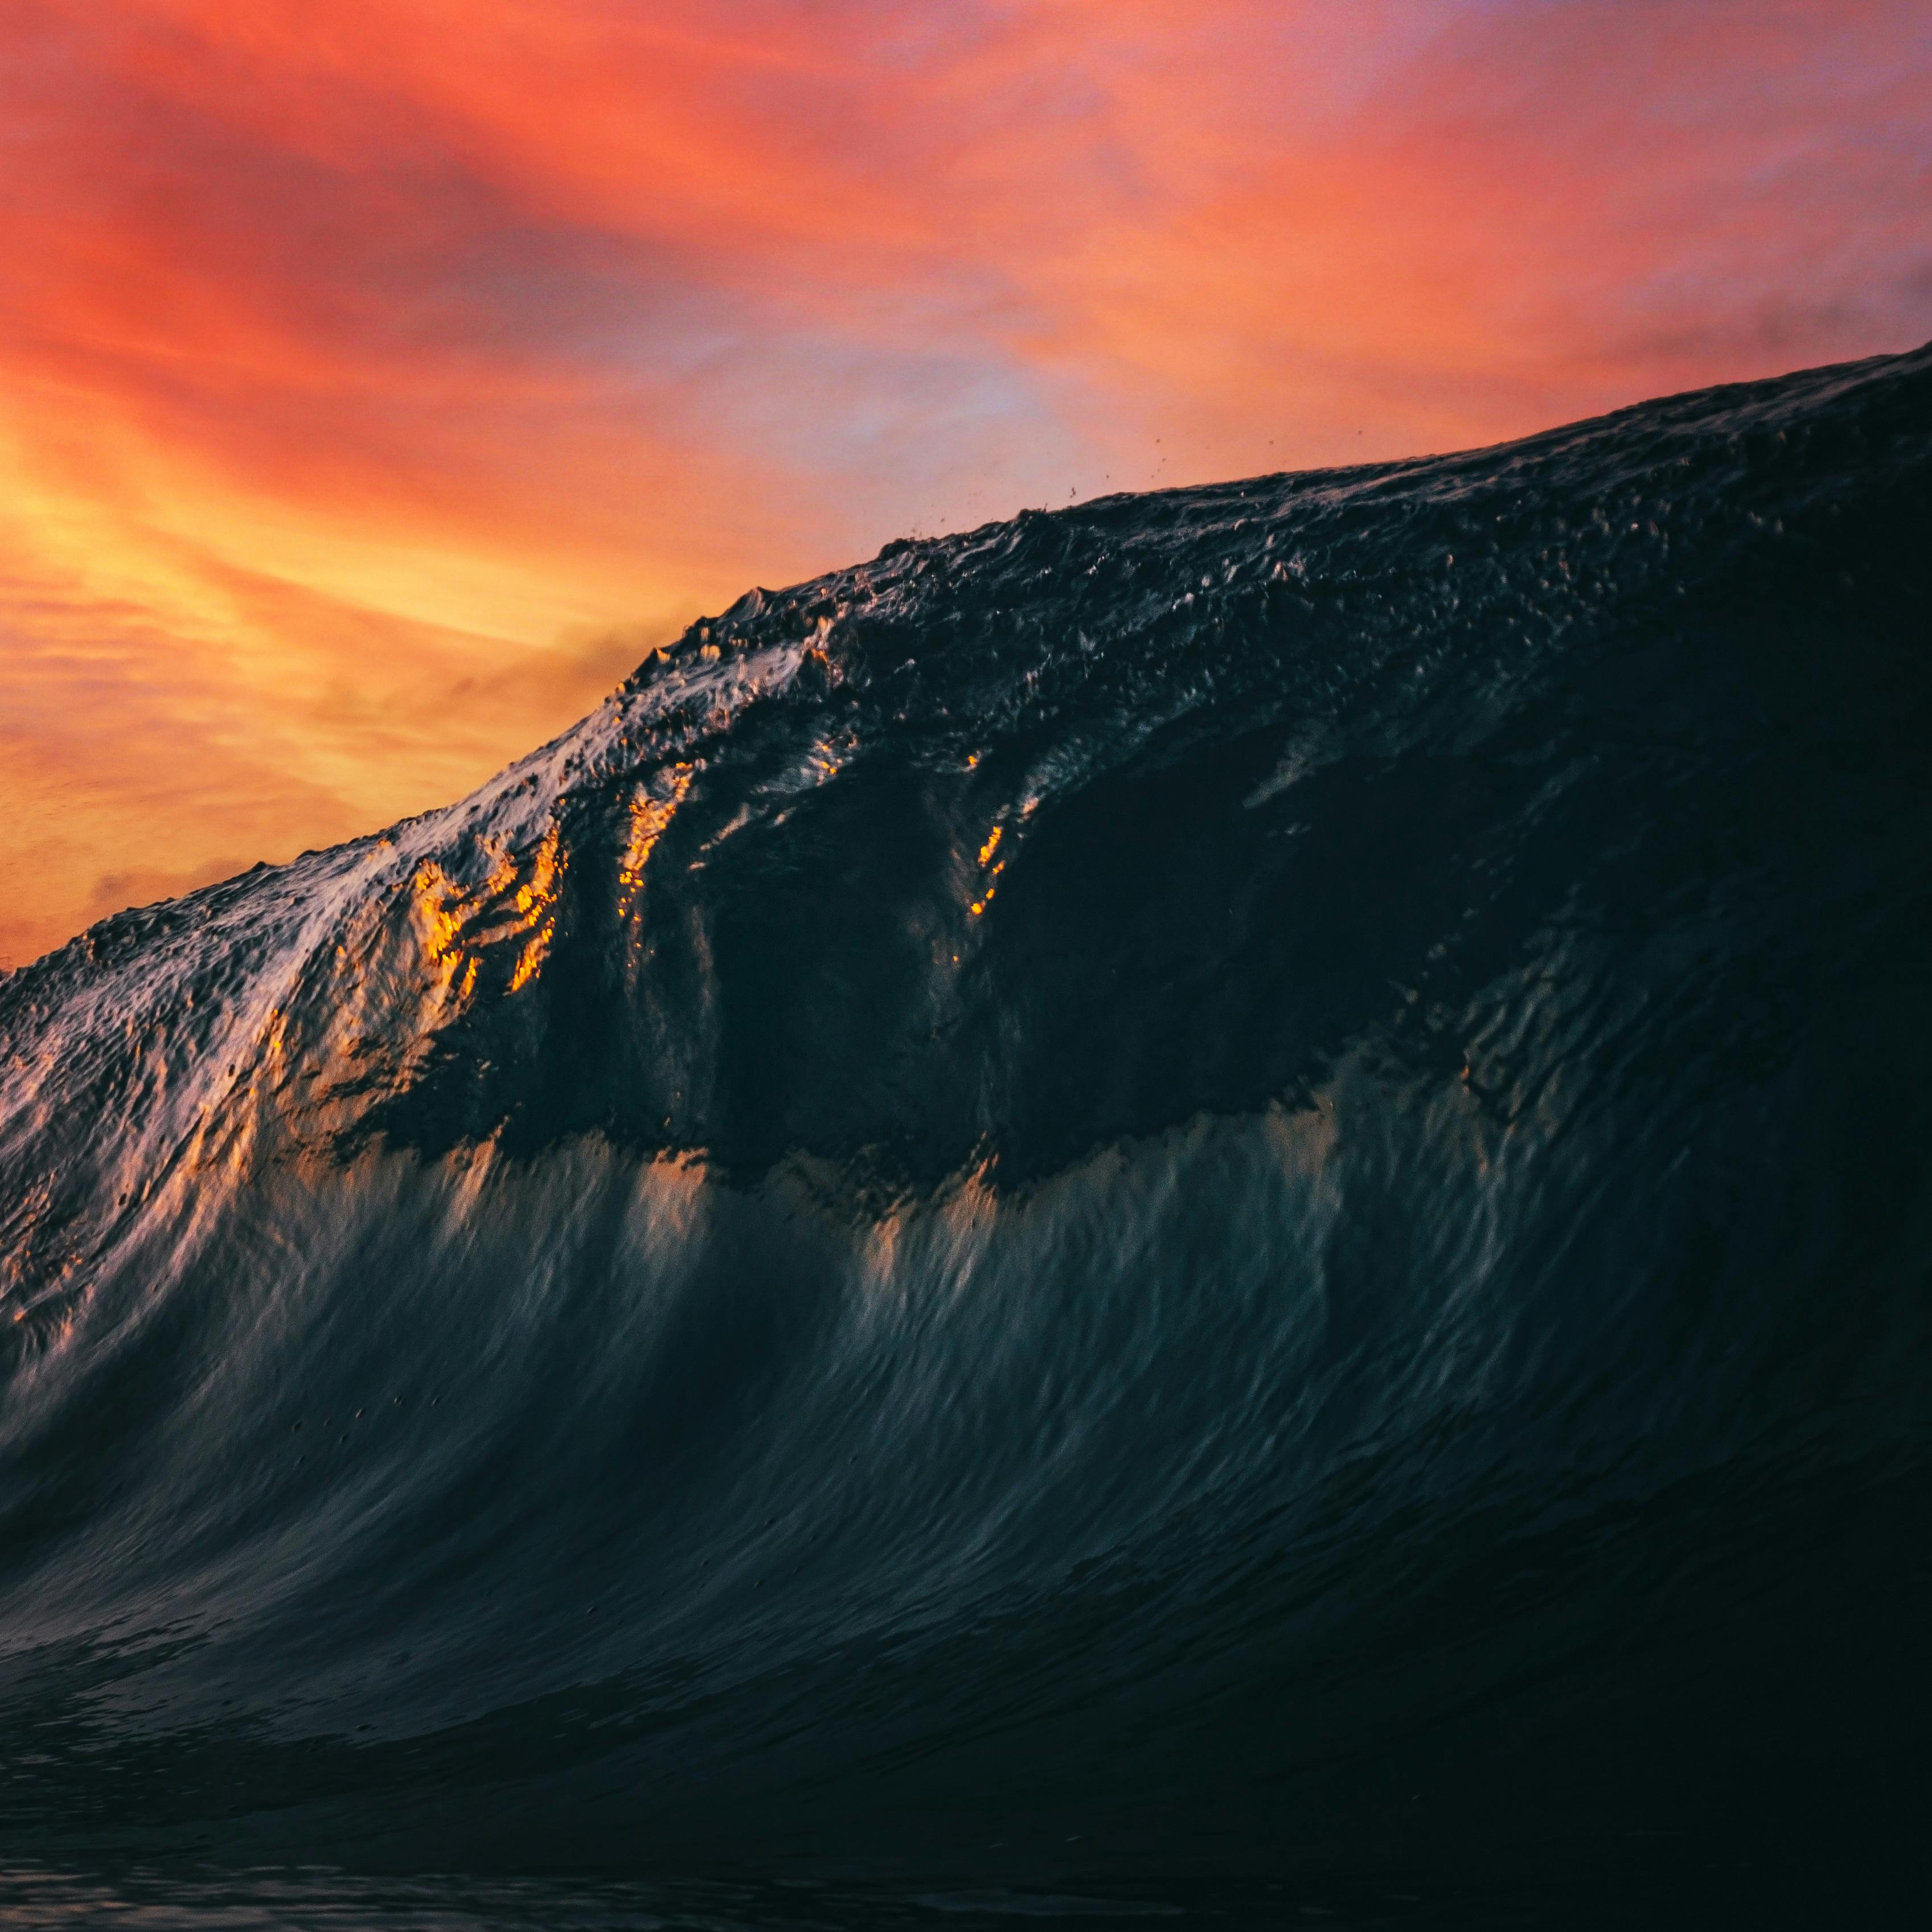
(361, 364)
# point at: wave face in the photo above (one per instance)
(1229, 1183)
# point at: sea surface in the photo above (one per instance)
(1214, 1208)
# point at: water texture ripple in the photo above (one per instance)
(1224, 1189)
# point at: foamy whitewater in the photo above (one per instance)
(1217, 1205)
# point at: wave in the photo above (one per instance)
(1226, 1183)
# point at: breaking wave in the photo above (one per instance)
(1227, 1188)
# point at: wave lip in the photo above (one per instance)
(1227, 1182)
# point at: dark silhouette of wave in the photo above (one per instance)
(1226, 1190)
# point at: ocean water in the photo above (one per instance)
(1217, 1206)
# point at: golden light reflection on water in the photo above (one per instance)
(990, 869)
(458, 922)
(438, 901)
(518, 904)
(649, 816)
(536, 905)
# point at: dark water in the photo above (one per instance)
(1218, 1207)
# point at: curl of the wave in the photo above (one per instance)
(1220, 1179)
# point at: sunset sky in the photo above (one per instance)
(378, 377)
